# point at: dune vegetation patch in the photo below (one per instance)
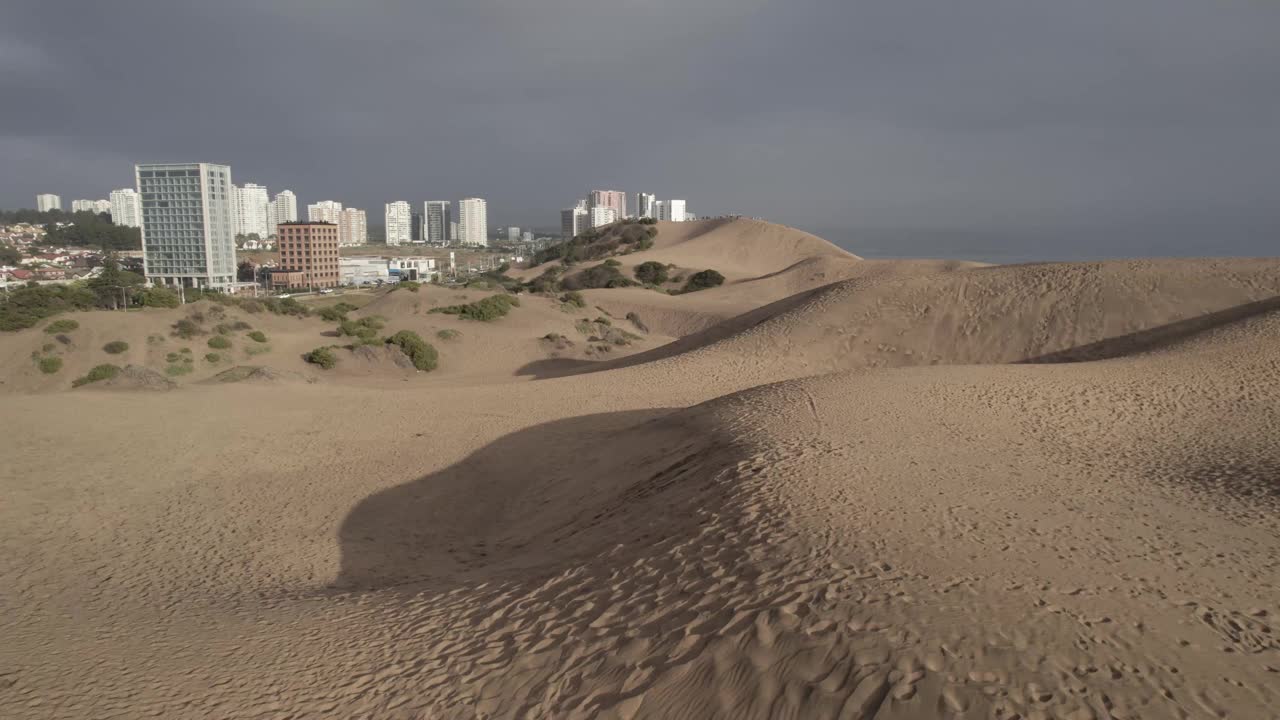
(622, 237)
(61, 326)
(105, 371)
(651, 272)
(49, 364)
(603, 275)
(449, 334)
(115, 347)
(365, 330)
(322, 356)
(486, 310)
(421, 352)
(335, 313)
(702, 281)
(219, 342)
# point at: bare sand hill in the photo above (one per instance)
(724, 529)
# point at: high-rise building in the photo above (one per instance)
(526, 236)
(415, 233)
(126, 208)
(676, 208)
(399, 223)
(437, 221)
(352, 229)
(324, 211)
(473, 222)
(661, 210)
(572, 222)
(603, 215)
(283, 209)
(312, 249)
(101, 206)
(513, 234)
(48, 201)
(615, 199)
(644, 205)
(82, 206)
(187, 234)
(250, 210)
(453, 231)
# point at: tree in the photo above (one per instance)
(112, 283)
(246, 272)
(9, 255)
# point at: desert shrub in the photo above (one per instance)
(322, 356)
(173, 357)
(332, 314)
(185, 351)
(651, 273)
(257, 349)
(100, 372)
(285, 306)
(409, 285)
(61, 326)
(548, 281)
(48, 347)
(253, 307)
(365, 329)
(423, 355)
(186, 329)
(160, 297)
(599, 276)
(241, 326)
(604, 320)
(177, 369)
(218, 342)
(213, 358)
(488, 309)
(115, 347)
(448, 334)
(258, 336)
(573, 298)
(585, 326)
(155, 339)
(703, 280)
(553, 337)
(612, 263)
(49, 365)
(222, 329)
(635, 320)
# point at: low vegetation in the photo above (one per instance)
(599, 276)
(49, 364)
(572, 300)
(449, 334)
(186, 329)
(364, 330)
(409, 285)
(621, 237)
(98, 373)
(61, 326)
(24, 307)
(703, 280)
(218, 342)
(335, 313)
(258, 336)
(486, 310)
(651, 273)
(423, 355)
(601, 330)
(213, 358)
(322, 356)
(635, 320)
(115, 347)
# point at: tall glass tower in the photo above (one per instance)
(188, 237)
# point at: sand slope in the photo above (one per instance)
(775, 517)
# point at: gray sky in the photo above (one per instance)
(894, 115)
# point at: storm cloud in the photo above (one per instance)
(999, 117)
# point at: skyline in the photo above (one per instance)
(993, 118)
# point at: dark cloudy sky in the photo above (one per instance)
(1001, 121)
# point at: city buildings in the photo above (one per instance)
(437, 221)
(90, 206)
(676, 209)
(283, 209)
(417, 269)
(661, 210)
(513, 234)
(310, 248)
(398, 223)
(48, 201)
(187, 235)
(615, 199)
(324, 211)
(644, 205)
(453, 231)
(363, 270)
(602, 215)
(352, 229)
(415, 230)
(473, 222)
(249, 209)
(126, 207)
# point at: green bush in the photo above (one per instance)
(599, 276)
(241, 326)
(322, 356)
(222, 329)
(115, 347)
(409, 285)
(49, 365)
(160, 297)
(366, 329)
(173, 357)
(101, 372)
(574, 298)
(48, 347)
(488, 309)
(178, 369)
(703, 280)
(186, 329)
(331, 314)
(257, 349)
(219, 342)
(612, 263)
(448, 334)
(423, 355)
(548, 281)
(651, 273)
(258, 336)
(213, 358)
(25, 307)
(604, 320)
(61, 326)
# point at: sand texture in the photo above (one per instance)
(831, 488)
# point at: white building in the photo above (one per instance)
(437, 219)
(473, 222)
(250, 208)
(572, 222)
(352, 229)
(126, 208)
(324, 211)
(603, 215)
(644, 205)
(363, 270)
(399, 223)
(187, 234)
(82, 206)
(48, 201)
(676, 208)
(453, 231)
(513, 234)
(283, 209)
(417, 269)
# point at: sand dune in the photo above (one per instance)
(905, 490)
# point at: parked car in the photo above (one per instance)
(326, 291)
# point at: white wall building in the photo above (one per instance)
(513, 234)
(352, 229)
(48, 201)
(473, 222)
(417, 269)
(603, 215)
(81, 206)
(283, 209)
(324, 211)
(126, 208)
(363, 270)
(250, 209)
(187, 234)
(676, 208)
(399, 223)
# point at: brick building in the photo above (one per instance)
(309, 248)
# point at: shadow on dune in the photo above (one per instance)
(1157, 337)
(556, 367)
(552, 493)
